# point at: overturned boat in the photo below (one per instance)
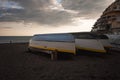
(71, 43)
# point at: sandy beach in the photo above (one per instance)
(16, 63)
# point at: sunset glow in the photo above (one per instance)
(18, 18)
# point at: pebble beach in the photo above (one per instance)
(16, 63)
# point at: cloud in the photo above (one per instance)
(5, 27)
(87, 8)
(49, 12)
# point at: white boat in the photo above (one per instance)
(70, 42)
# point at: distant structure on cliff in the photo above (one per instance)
(109, 22)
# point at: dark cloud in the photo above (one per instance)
(5, 27)
(50, 13)
(87, 8)
(40, 11)
(49, 18)
(11, 14)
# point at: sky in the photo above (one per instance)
(29, 17)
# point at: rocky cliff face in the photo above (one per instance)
(109, 22)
